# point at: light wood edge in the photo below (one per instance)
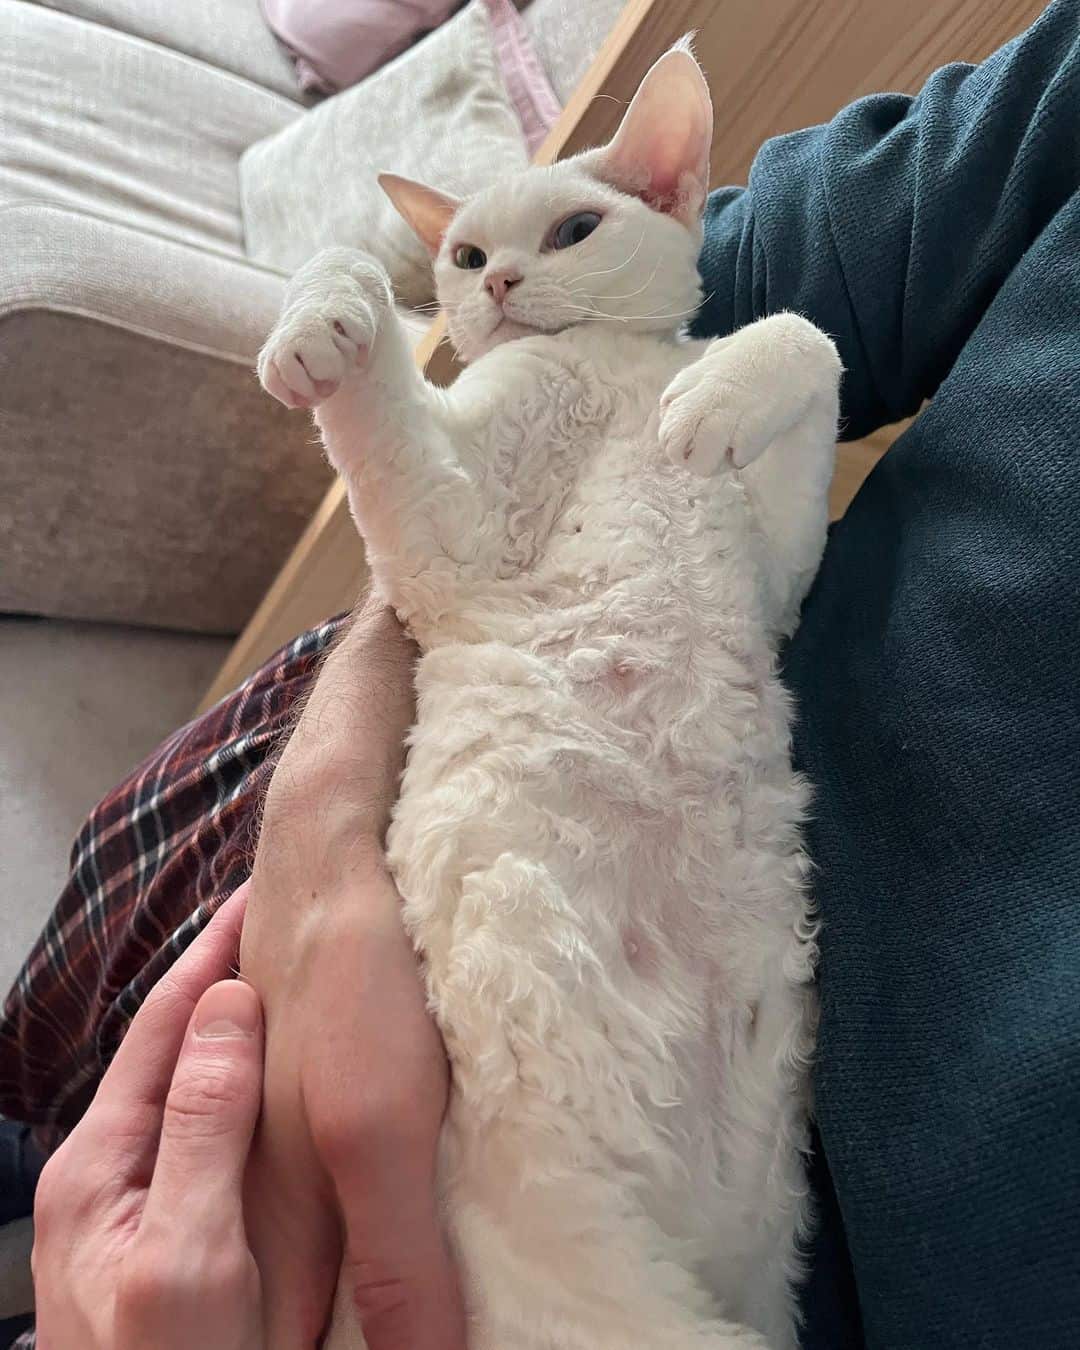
(254, 644)
(584, 120)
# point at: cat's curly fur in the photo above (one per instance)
(597, 536)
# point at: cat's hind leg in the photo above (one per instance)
(552, 1146)
(560, 1256)
(755, 1256)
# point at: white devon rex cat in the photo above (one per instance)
(597, 536)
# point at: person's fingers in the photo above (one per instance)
(120, 1131)
(293, 1228)
(209, 1118)
(143, 1066)
(397, 1272)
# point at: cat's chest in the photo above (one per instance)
(551, 405)
(613, 518)
(573, 437)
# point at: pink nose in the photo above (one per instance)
(500, 281)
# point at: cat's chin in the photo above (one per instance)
(506, 330)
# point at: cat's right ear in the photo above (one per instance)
(660, 152)
(426, 211)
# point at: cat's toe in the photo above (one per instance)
(713, 445)
(306, 359)
(696, 434)
(681, 385)
(277, 386)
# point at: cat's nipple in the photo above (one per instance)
(621, 678)
(640, 956)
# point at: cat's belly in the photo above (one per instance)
(576, 877)
(581, 760)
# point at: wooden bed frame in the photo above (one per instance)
(773, 66)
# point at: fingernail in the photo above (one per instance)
(227, 1010)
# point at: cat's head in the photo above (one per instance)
(611, 236)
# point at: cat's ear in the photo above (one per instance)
(428, 212)
(660, 152)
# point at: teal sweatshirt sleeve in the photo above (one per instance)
(894, 225)
(934, 671)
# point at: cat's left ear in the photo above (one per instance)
(660, 152)
(427, 211)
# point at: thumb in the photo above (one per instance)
(210, 1113)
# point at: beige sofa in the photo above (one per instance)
(144, 478)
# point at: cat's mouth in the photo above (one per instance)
(508, 324)
(507, 328)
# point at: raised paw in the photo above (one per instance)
(745, 391)
(705, 422)
(332, 313)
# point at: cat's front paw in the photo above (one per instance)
(745, 391)
(333, 309)
(700, 418)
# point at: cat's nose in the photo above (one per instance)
(499, 281)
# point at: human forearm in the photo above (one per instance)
(356, 1076)
(329, 801)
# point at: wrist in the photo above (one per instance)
(345, 912)
(319, 839)
(318, 803)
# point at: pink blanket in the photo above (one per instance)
(336, 43)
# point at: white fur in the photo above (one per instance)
(596, 536)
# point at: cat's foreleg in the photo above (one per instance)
(766, 400)
(340, 347)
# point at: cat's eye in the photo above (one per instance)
(469, 256)
(574, 229)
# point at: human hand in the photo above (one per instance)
(343, 1171)
(139, 1226)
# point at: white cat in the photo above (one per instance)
(596, 535)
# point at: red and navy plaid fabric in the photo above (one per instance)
(152, 863)
(150, 866)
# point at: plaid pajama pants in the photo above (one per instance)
(152, 863)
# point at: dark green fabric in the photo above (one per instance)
(937, 669)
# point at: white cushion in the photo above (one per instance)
(440, 112)
(106, 123)
(229, 34)
(567, 34)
